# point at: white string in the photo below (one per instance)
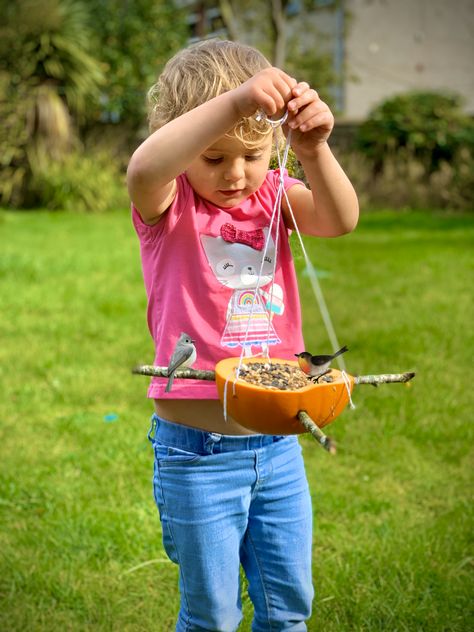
(318, 292)
(280, 191)
(261, 116)
(315, 285)
(309, 266)
(345, 377)
(275, 258)
(257, 287)
(275, 212)
(225, 397)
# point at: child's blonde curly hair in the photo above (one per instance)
(201, 72)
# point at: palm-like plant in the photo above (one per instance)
(47, 78)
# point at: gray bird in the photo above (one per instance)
(315, 366)
(184, 356)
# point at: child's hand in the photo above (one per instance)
(310, 118)
(269, 90)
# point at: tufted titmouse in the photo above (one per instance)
(184, 356)
(318, 365)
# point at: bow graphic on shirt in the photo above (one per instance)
(253, 238)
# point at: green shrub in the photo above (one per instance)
(295, 170)
(430, 127)
(404, 183)
(81, 182)
(415, 150)
(49, 81)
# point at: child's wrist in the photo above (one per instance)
(314, 152)
(243, 107)
(230, 103)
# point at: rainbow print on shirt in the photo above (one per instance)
(250, 311)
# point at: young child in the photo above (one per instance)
(202, 200)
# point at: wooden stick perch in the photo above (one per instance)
(384, 378)
(196, 374)
(326, 442)
(162, 371)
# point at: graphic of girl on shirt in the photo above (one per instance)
(235, 257)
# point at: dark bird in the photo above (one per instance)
(315, 366)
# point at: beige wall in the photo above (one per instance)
(397, 45)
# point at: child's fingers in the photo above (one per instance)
(323, 119)
(271, 90)
(310, 109)
(273, 99)
(300, 88)
(271, 102)
(281, 89)
(305, 95)
(285, 81)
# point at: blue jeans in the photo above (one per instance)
(226, 501)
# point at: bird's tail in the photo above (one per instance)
(170, 383)
(342, 350)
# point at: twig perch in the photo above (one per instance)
(384, 378)
(326, 442)
(162, 371)
(196, 374)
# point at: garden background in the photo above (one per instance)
(80, 539)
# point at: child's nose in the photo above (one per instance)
(235, 171)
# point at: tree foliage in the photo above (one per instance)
(287, 32)
(65, 64)
(68, 66)
(48, 78)
(133, 40)
(48, 43)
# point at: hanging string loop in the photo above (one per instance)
(310, 270)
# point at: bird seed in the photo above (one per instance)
(274, 375)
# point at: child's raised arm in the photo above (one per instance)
(331, 207)
(167, 152)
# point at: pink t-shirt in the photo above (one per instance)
(200, 266)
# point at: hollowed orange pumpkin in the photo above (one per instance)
(271, 411)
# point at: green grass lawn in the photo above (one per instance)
(80, 540)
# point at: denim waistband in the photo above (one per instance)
(203, 442)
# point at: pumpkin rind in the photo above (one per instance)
(271, 411)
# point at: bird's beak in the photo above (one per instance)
(297, 355)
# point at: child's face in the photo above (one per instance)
(228, 172)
